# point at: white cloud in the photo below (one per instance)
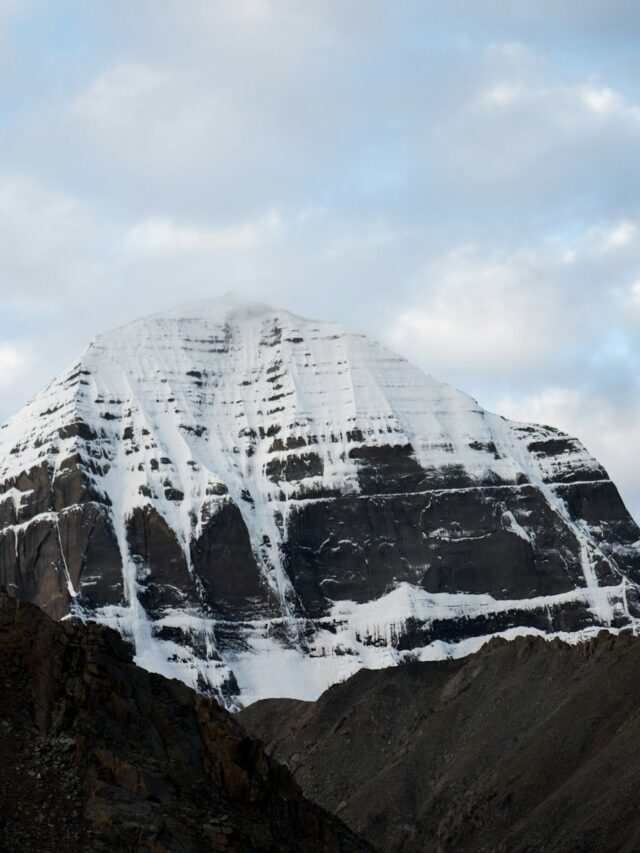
(14, 362)
(252, 10)
(166, 235)
(502, 94)
(490, 309)
(158, 118)
(46, 235)
(115, 94)
(615, 237)
(369, 239)
(509, 50)
(599, 100)
(555, 406)
(602, 100)
(522, 132)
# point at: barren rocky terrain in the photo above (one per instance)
(527, 746)
(97, 754)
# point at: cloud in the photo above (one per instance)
(165, 235)
(523, 131)
(495, 310)
(595, 99)
(368, 240)
(615, 237)
(155, 117)
(46, 234)
(118, 95)
(14, 362)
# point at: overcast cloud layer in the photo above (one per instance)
(457, 179)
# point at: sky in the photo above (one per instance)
(459, 180)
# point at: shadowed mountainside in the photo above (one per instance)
(524, 746)
(97, 754)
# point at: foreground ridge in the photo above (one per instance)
(97, 754)
(263, 504)
(523, 747)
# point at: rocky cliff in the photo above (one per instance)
(523, 747)
(97, 754)
(263, 504)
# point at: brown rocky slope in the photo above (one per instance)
(97, 754)
(524, 746)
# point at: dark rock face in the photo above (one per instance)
(524, 747)
(100, 755)
(224, 561)
(236, 483)
(449, 540)
(58, 534)
(162, 570)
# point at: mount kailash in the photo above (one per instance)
(263, 504)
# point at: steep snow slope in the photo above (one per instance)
(263, 504)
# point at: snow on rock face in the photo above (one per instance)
(263, 504)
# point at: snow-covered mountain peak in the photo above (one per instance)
(230, 307)
(230, 484)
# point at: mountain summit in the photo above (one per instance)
(263, 504)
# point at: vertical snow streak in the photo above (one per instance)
(70, 588)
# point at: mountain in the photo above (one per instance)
(263, 504)
(523, 747)
(98, 755)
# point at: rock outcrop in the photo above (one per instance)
(263, 504)
(523, 747)
(97, 754)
